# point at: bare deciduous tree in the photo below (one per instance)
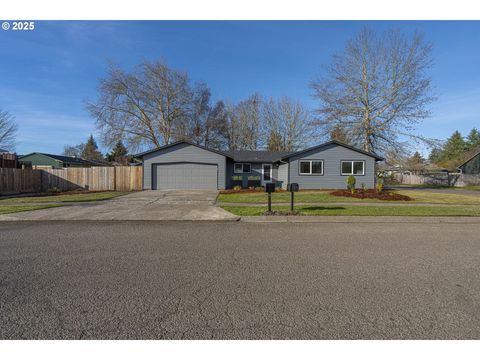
(142, 107)
(378, 89)
(243, 124)
(8, 130)
(285, 125)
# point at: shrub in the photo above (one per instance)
(237, 181)
(379, 185)
(364, 187)
(237, 187)
(254, 181)
(351, 181)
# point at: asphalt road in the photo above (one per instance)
(151, 280)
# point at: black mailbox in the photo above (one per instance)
(270, 187)
(293, 187)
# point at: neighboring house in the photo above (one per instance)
(49, 161)
(184, 165)
(472, 165)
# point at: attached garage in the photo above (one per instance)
(184, 176)
(183, 165)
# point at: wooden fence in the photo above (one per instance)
(13, 181)
(446, 179)
(119, 178)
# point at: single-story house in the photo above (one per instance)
(184, 165)
(472, 165)
(50, 161)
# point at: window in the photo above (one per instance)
(353, 167)
(241, 168)
(311, 167)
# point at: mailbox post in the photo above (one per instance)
(293, 188)
(269, 188)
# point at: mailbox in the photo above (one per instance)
(293, 187)
(270, 187)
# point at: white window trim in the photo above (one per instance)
(241, 172)
(351, 173)
(310, 161)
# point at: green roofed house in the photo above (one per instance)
(50, 161)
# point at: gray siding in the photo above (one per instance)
(283, 175)
(183, 153)
(472, 167)
(332, 156)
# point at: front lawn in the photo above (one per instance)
(325, 197)
(352, 210)
(82, 197)
(284, 197)
(431, 197)
(8, 208)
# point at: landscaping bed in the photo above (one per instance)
(372, 194)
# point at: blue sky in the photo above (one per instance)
(46, 75)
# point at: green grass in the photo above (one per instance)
(349, 210)
(440, 198)
(469, 187)
(94, 196)
(324, 197)
(279, 197)
(8, 209)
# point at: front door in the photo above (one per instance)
(266, 173)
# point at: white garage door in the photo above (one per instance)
(184, 176)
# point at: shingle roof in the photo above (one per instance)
(257, 156)
(62, 158)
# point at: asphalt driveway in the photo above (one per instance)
(142, 205)
(203, 280)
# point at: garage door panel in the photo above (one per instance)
(184, 176)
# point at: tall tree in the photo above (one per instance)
(73, 150)
(118, 154)
(473, 139)
(338, 133)
(242, 130)
(90, 150)
(415, 163)
(142, 107)
(378, 89)
(284, 123)
(454, 148)
(8, 131)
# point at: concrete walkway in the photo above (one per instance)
(144, 205)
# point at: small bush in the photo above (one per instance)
(237, 187)
(364, 187)
(379, 185)
(237, 181)
(351, 181)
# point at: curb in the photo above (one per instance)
(363, 219)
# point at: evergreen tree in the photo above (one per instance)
(90, 151)
(454, 147)
(119, 153)
(473, 139)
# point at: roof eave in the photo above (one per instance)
(139, 155)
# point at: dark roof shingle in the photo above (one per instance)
(257, 156)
